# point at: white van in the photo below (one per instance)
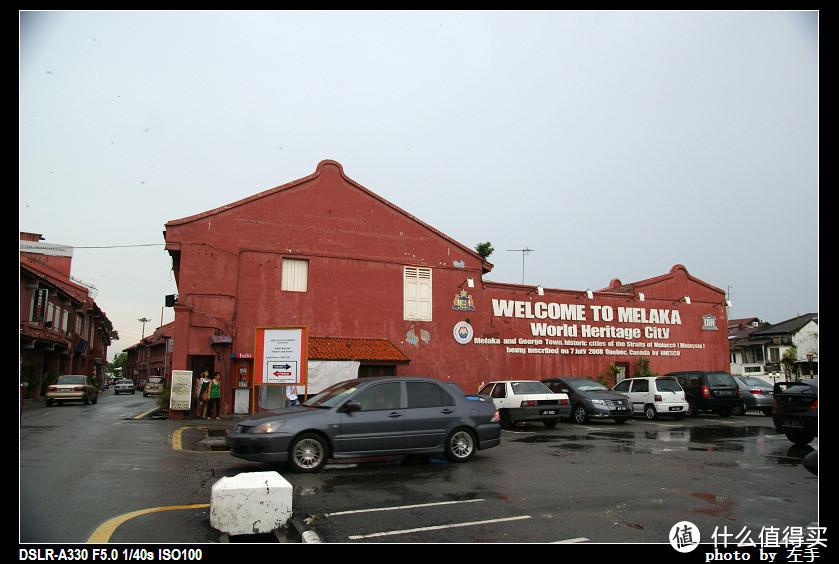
(655, 396)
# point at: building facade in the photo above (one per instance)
(152, 356)
(327, 254)
(759, 349)
(62, 330)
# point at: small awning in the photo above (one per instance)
(380, 351)
(221, 340)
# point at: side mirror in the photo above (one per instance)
(350, 406)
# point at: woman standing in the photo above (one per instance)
(202, 395)
(215, 396)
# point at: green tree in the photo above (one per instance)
(119, 362)
(485, 249)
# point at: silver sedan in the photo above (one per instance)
(371, 417)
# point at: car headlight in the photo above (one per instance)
(267, 427)
(598, 402)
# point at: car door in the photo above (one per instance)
(431, 413)
(378, 426)
(639, 394)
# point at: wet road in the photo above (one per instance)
(599, 482)
(82, 466)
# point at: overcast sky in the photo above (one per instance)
(612, 144)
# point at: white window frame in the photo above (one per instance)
(295, 275)
(417, 293)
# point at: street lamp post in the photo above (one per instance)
(143, 320)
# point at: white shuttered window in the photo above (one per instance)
(295, 277)
(417, 293)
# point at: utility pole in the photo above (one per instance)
(524, 251)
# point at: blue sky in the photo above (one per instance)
(613, 144)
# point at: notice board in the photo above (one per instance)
(281, 356)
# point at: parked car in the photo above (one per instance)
(72, 387)
(370, 417)
(654, 396)
(124, 387)
(105, 385)
(153, 387)
(796, 410)
(756, 395)
(521, 401)
(708, 391)
(591, 399)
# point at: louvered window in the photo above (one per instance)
(417, 293)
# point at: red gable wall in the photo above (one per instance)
(228, 264)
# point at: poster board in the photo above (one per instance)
(281, 356)
(180, 391)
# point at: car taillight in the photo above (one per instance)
(706, 392)
(657, 397)
(563, 402)
(815, 404)
(51, 388)
(757, 391)
(496, 417)
(528, 403)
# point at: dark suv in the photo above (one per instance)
(709, 391)
(796, 411)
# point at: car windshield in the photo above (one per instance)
(586, 385)
(155, 380)
(530, 388)
(124, 382)
(71, 380)
(332, 395)
(667, 385)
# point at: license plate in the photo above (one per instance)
(725, 393)
(620, 408)
(548, 412)
(676, 408)
(790, 423)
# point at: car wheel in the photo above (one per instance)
(95, 399)
(49, 403)
(580, 414)
(621, 419)
(86, 400)
(308, 453)
(550, 423)
(650, 413)
(739, 410)
(691, 411)
(460, 446)
(800, 438)
(505, 419)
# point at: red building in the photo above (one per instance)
(327, 254)
(62, 330)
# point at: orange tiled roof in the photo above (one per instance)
(339, 348)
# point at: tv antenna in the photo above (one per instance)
(525, 251)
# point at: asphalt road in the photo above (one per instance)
(109, 473)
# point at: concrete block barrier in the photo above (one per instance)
(250, 503)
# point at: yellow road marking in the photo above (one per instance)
(103, 533)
